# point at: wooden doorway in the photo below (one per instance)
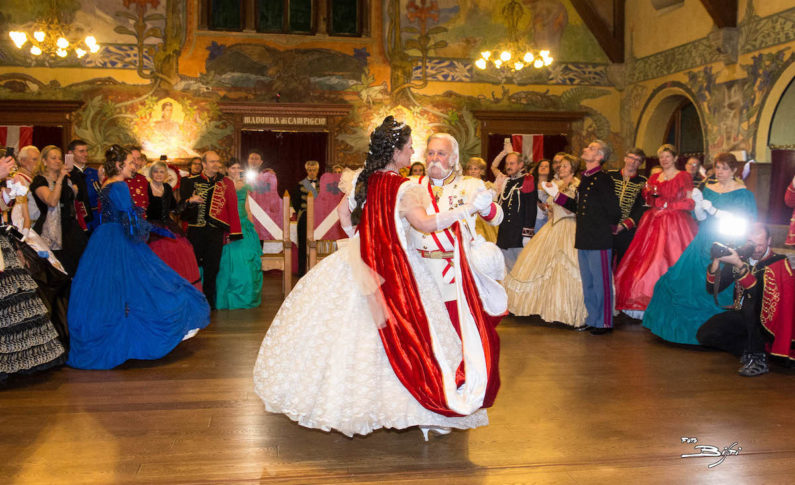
(286, 152)
(555, 127)
(51, 120)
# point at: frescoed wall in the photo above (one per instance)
(158, 78)
(728, 77)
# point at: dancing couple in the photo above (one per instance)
(366, 339)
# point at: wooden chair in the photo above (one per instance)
(323, 226)
(272, 222)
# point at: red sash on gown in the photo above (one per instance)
(406, 333)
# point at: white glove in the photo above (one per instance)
(525, 240)
(551, 189)
(482, 202)
(707, 206)
(16, 189)
(25, 231)
(447, 219)
(698, 209)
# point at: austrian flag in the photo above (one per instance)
(530, 146)
(16, 136)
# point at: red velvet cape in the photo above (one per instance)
(406, 334)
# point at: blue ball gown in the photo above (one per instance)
(680, 303)
(126, 303)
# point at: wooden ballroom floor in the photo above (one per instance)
(573, 409)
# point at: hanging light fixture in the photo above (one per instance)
(51, 38)
(514, 54)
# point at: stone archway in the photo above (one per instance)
(654, 117)
(770, 108)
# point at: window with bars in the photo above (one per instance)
(305, 17)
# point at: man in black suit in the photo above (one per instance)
(298, 201)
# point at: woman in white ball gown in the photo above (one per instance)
(364, 341)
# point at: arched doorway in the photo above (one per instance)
(671, 115)
(780, 147)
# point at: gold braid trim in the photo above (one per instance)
(218, 200)
(770, 299)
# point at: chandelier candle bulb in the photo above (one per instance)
(80, 52)
(19, 38)
(39, 36)
(486, 55)
(505, 56)
(62, 43)
(35, 51)
(480, 63)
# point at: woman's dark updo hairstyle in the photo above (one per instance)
(384, 140)
(116, 154)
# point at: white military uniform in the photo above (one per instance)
(437, 248)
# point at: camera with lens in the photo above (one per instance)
(719, 250)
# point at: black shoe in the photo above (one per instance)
(756, 366)
(601, 330)
(584, 328)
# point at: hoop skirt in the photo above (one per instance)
(126, 302)
(680, 303)
(28, 339)
(324, 365)
(545, 280)
(663, 234)
(239, 280)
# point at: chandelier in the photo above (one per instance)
(51, 38)
(513, 55)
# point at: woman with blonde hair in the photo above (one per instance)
(545, 280)
(476, 167)
(55, 194)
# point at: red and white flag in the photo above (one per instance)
(530, 146)
(16, 136)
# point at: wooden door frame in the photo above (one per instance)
(527, 122)
(285, 117)
(38, 112)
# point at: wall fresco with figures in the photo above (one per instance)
(158, 79)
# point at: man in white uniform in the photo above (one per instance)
(449, 188)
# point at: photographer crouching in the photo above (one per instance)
(763, 318)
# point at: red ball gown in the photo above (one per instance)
(663, 233)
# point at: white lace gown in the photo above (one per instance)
(322, 362)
